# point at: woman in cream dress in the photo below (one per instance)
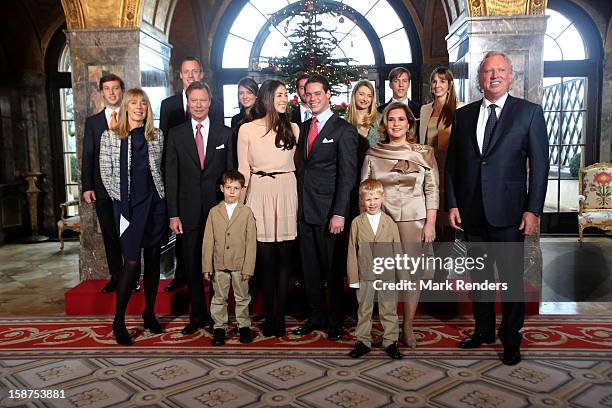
(266, 147)
(435, 129)
(409, 174)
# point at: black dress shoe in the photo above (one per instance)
(174, 285)
(110, 286)
(151, 324)
(476, 340)
(335, 334)
(268, 328)
(280, 329)
(191, 328)
(137, 288)
(359, 350)
(218, 337)
(122, 336)
(306, 328)
(245, 335)
(393, 351)
(511, 357)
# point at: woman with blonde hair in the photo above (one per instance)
(363, 115)
(409, 174)
(436, 124)
(130, 167)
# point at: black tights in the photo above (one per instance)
(129, 276)
(274, 264)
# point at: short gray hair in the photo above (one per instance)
(490, 54)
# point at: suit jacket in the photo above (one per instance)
(95, 125)
(229, 244)
(296, 116)
(364, 246)
(192, 192)
(172, 112)
(409, 175)
(110, 149)
(499, 175)
(415, 107)
(326, 176)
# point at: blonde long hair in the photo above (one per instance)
(351, 113)
(123, 127)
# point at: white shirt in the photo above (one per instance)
(204, 130)
(108, 112)
(374, 221)
(303, 111)
(404, 101)
(184, 101)
(230, 209)
(483, 116)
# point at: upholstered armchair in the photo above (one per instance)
(72, 223)
(595, 185)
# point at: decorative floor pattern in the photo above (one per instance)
(566, 364)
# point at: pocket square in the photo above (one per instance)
(325, 140)
(220, 147)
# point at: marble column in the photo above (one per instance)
(140, 60)
(605, 152)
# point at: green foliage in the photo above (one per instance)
(574, 165)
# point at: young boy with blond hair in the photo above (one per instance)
(228, 256)
(373, 234)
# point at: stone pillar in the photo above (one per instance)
(133, 55)
(521, 37)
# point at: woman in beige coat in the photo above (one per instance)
(436, 124)
(409, 174)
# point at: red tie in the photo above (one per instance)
(312, 133)
(200, 145)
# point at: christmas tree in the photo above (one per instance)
(312, 47)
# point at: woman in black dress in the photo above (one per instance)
(247, 95)
(130, 163)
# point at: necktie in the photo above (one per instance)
(200, 144)
(489, 127)
(113, 123)
(312, 133)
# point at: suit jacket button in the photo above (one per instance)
(484, 163)
(227, 247)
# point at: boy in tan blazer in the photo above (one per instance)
(373, 235)
(228, 249)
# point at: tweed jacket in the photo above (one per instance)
(110, 148)
(229, 244)
(364, 246)
(409, 175)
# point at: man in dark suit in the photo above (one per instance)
(173, 112)
(489, 195)
(112, 88)
(198, 153)
(327, 172)
(303, 113)
(399, 82)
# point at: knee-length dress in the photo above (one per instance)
(145, 209)
(271, 185)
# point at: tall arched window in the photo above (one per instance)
(571, 92)
(376, 34)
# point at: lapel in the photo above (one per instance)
(426, 112)
(365, 221)
(101, 121)
(235, 215)
(211, 145)
(223, 210)
(501, 126)
(327, 129)
(474, 120)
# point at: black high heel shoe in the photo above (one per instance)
(122, 336)
(151, 324)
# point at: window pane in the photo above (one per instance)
(397, 48)
(69, 133)
(357, 47)
(71, 168)
(268, 7)
(236, 53)
(248, 23)
(230, 100)
(571, 44)
(384, 19)
(275, 45)
(556, 23)
(552, 51)
(65, 65)
(362, 6)
(66, 103)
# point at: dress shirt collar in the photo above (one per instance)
(500, 102)
(374, 221)
(404, 101)
(205, 126)
(303, 110)
(230, 209)
(108, 112)
(323, 117)
(184, 101)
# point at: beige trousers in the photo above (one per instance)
(387, 311)
(222, 280)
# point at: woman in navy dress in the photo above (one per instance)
(130, 163)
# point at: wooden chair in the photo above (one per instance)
(72, 223)
(595, 186)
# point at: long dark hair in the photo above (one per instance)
(450, 106)
(251, 85)
(279, 122)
